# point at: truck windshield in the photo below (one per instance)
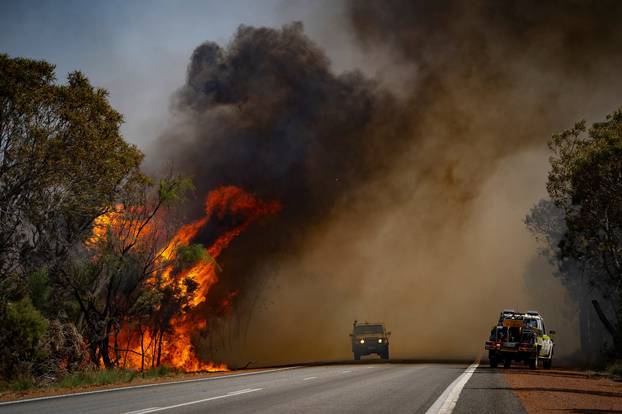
(368, 329)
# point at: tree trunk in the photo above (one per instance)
(142, 350)
(117, 354)
(160, 346)
(103, 351)
(93, 353)
(611, 329)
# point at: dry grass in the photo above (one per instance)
(92, 379)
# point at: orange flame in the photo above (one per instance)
(177, 349)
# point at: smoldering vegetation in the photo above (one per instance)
(405, 208)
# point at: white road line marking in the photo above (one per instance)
(309, 378)
(346, 371)
(75, 394)
(447, 401)
(239, 391)
(144, 410)
(229, 394)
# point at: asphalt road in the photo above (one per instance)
(350, 388)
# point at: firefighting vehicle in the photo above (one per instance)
(520, 337)
(369, 338)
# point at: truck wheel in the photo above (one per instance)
(385, 354)
(357, 357)
(507, 363)
(533, 363)
(546, 364)
(493, 362)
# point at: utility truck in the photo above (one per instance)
(520, 337)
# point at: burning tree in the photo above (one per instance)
(141, 291)
(94, 258)
(63, 163)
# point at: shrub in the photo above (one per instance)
(615, 369)
(21, 329)
(96, 376)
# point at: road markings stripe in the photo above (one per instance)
(144, 410)
(229, 394)
(447, 401)
(346, 371)
(76, 394)
(240, 391)
(309, 378)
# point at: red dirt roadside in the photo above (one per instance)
(565, 391)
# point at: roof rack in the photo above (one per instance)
(508, 311)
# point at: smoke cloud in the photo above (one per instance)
(401, 207)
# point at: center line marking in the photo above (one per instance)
(309, 378)
(239, 392)
(144, 410)
(345, 372)
(229, 394)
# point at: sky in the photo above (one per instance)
(137, 50)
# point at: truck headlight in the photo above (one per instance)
(380, 340)
(362, 341)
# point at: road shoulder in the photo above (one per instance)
(487, 392)
(45, 393)
(564, 390)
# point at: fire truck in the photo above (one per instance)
(520, 337)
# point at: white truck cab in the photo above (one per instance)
(544, 340)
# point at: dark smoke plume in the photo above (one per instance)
(267, 114)
(389, 199)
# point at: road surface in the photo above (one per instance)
(350, 388)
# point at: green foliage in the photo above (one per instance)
(21, 328)
(64, 162)
(160, 371)
(175, 190)
(145, 305)
(95, 376)
(585, 183)
(21, 384)
(39, 288)
(89, 377)
(190, 255)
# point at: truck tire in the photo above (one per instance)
(546, 364)
(494, 362)
(385, 354)
(357, 356)
(507, 363)
(533, 363)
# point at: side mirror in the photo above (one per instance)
(350, 335)
(389, 333)
(552, 332)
